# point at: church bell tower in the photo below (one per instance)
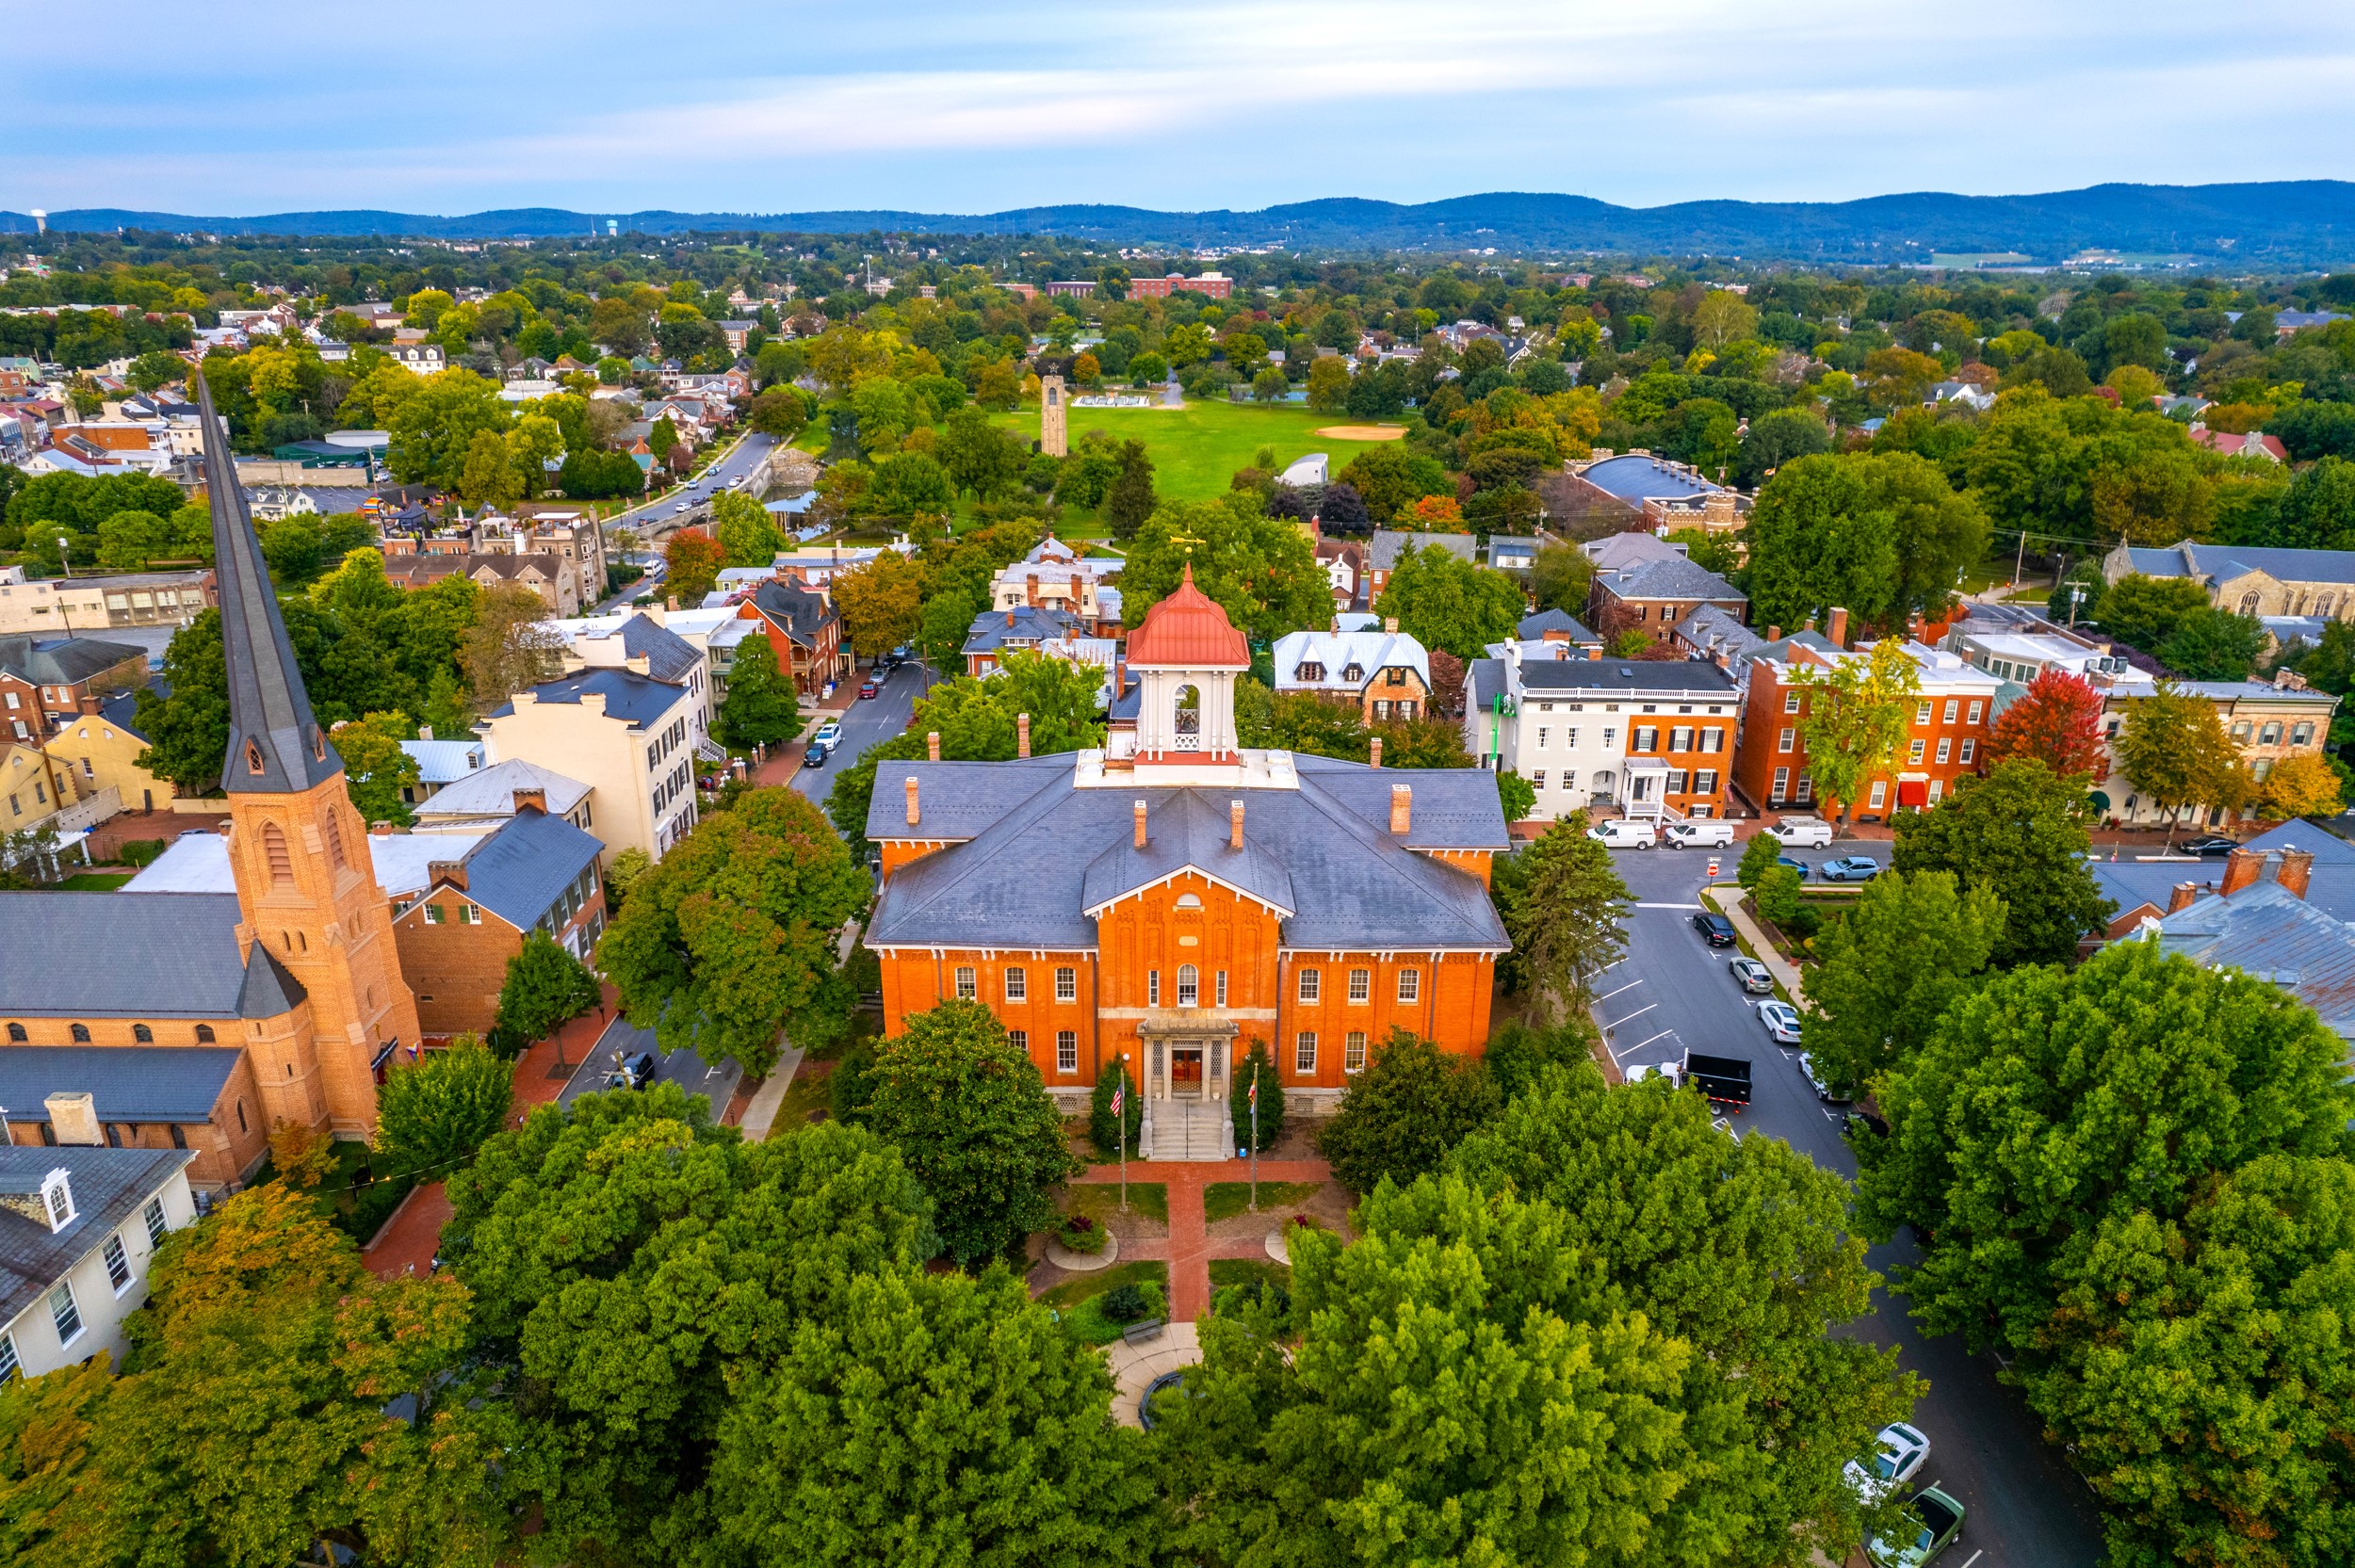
(307, 887)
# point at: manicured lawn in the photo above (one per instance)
(1197, 449)
(1242, 1270)
(96, 881)
(805, 1098)
(1224, 1200)
(1101, 1201)
(1077, 1300)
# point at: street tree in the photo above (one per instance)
(2018, 833)
(763, 706)
(743, 530)
(1444, 601)
(1910, 946)
(434, 1113)
(506, 649)
(1399, 1117)
(1854, 719)
(882, 602)
(1565, 908)
(2173, 750)
(1759, 856)
(973, 1121)
(2301, 786)
(693, 559)
(728, 942)
(697, 1255)
(2059, 722)
(546, 988)
(934, 1418)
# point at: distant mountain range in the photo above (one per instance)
(2277, 223)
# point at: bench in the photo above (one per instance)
(1137, 1333)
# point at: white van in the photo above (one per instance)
(1624, 832)
(1803, 832)
(1700, 833)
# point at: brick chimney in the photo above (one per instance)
(2297, 869)
(379, 830)
(89, 710)
(1140, 817)
(1021, 735)
(915, 812)
(1836, 626)
(932, 745)
(1774, 633)
(536, 798)
(1389, 624)
(1234, 824)
(424, 731)
(73, 1118)
(1594, 650)
(1009, 620)
(1401, 810)
(1374, 751)
(2241, 869)
(1029, 590)
(450, 871)
(2182, 896)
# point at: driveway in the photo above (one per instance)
(1672, 992)
(681, 1067)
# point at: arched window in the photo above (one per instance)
(141, 1033)
(1189, 986)
(335, 837)
(81, 1034)
(2322, 606)
(2248, 604)
(252, 756)
(1189, 900)
(204, 1034)
(17, 1035)
(274, 852)
(1189, 716)
(318, 744)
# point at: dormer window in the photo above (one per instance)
(1354, 673)
(56, 1200)
(1309, 672)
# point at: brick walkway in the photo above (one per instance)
(1190, 1249)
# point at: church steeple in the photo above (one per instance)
(275, 746)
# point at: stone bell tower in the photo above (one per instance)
(1054, 436)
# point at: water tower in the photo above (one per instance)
(41, 222)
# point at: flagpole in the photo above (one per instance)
(1255, 1135)
(1120, 1128)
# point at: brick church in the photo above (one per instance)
(1173, 897)
(201, 1020)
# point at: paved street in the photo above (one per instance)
(663, 513)
(684, 1068)
(865, 723)
(1672, 992)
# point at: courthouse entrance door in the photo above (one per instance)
(1185, 1072)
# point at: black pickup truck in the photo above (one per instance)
(1725, 1079)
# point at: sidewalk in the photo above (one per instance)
(1726, 899)
(1189, 1249)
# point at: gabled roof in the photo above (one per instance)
(2223, 562)
(635, 699)
(1335, 652)
(1669, 577)
(109, 1185)
(668, 656)
(492, 791)
(117, 955)
(518, 871)
(1189, 835)
(801, 613)
(1533, 628)
(269, 989)
(275, 746)
(444, 762)
(1022, 624)
(2270, 933)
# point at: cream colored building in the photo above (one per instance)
(631, 739)
(59, 605)
(2267, 721)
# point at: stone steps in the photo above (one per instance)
(1193, 1130)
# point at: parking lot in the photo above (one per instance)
(1672, 992)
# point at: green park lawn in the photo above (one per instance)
(1197, 449)
(1224, 1200)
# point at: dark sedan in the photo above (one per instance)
(2217, 844)
(1716, 928)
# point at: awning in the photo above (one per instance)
(2099, 803)
(1913, 792)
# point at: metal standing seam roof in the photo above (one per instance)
(119, 955)
(108, 1186)
(491, 792)
(442, 762)
(1028, 877)
(128, 1083)
(2270, 933)
(1643, 479)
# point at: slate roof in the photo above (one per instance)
(1717, 629)
(2270, 933)
(1387, 545)
(269, 989)
(109, 1186)
(799, 612)
(1024, 624)
(1371, 650)
(120, 955)
(1042, 852)
(1669, 577)
(518, 871)
(668, 656)
(63, 660)
(2222, 563)
(492, 791)
(128, 1083)
(1533, 628)
(639, 699)
(1488, 684)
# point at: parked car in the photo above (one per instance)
(633, 1072)
(1933, 1520)
(829, 733)
(1803, 832)
(1863, 1124)
(1802, 867)
(1717, 929)
(1851, 869)
(1826, 1091)
(1624, 832)
(1781, 1020)
(1702, 833)
(868, 689)
(2215, 846)
(1752, 977)
(1898, 1454)
(678, 505)
(817, 754)
(1725, 1079)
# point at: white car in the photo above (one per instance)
(1702, 833)
(1781, 1020)
(1898, 1454)
(1803, 832)
(679, 507)
(828, 733)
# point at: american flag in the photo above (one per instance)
(1119, 1090)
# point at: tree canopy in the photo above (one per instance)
(2018, 833)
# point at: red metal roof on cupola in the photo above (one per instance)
(1189, 631)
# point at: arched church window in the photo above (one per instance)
(318, 744)
(275, 853)
(334, 836)
(2248, 604)
(252, 756)
(204, 1034)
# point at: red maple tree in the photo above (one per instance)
(2059, 722)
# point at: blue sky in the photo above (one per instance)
(433, 106)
